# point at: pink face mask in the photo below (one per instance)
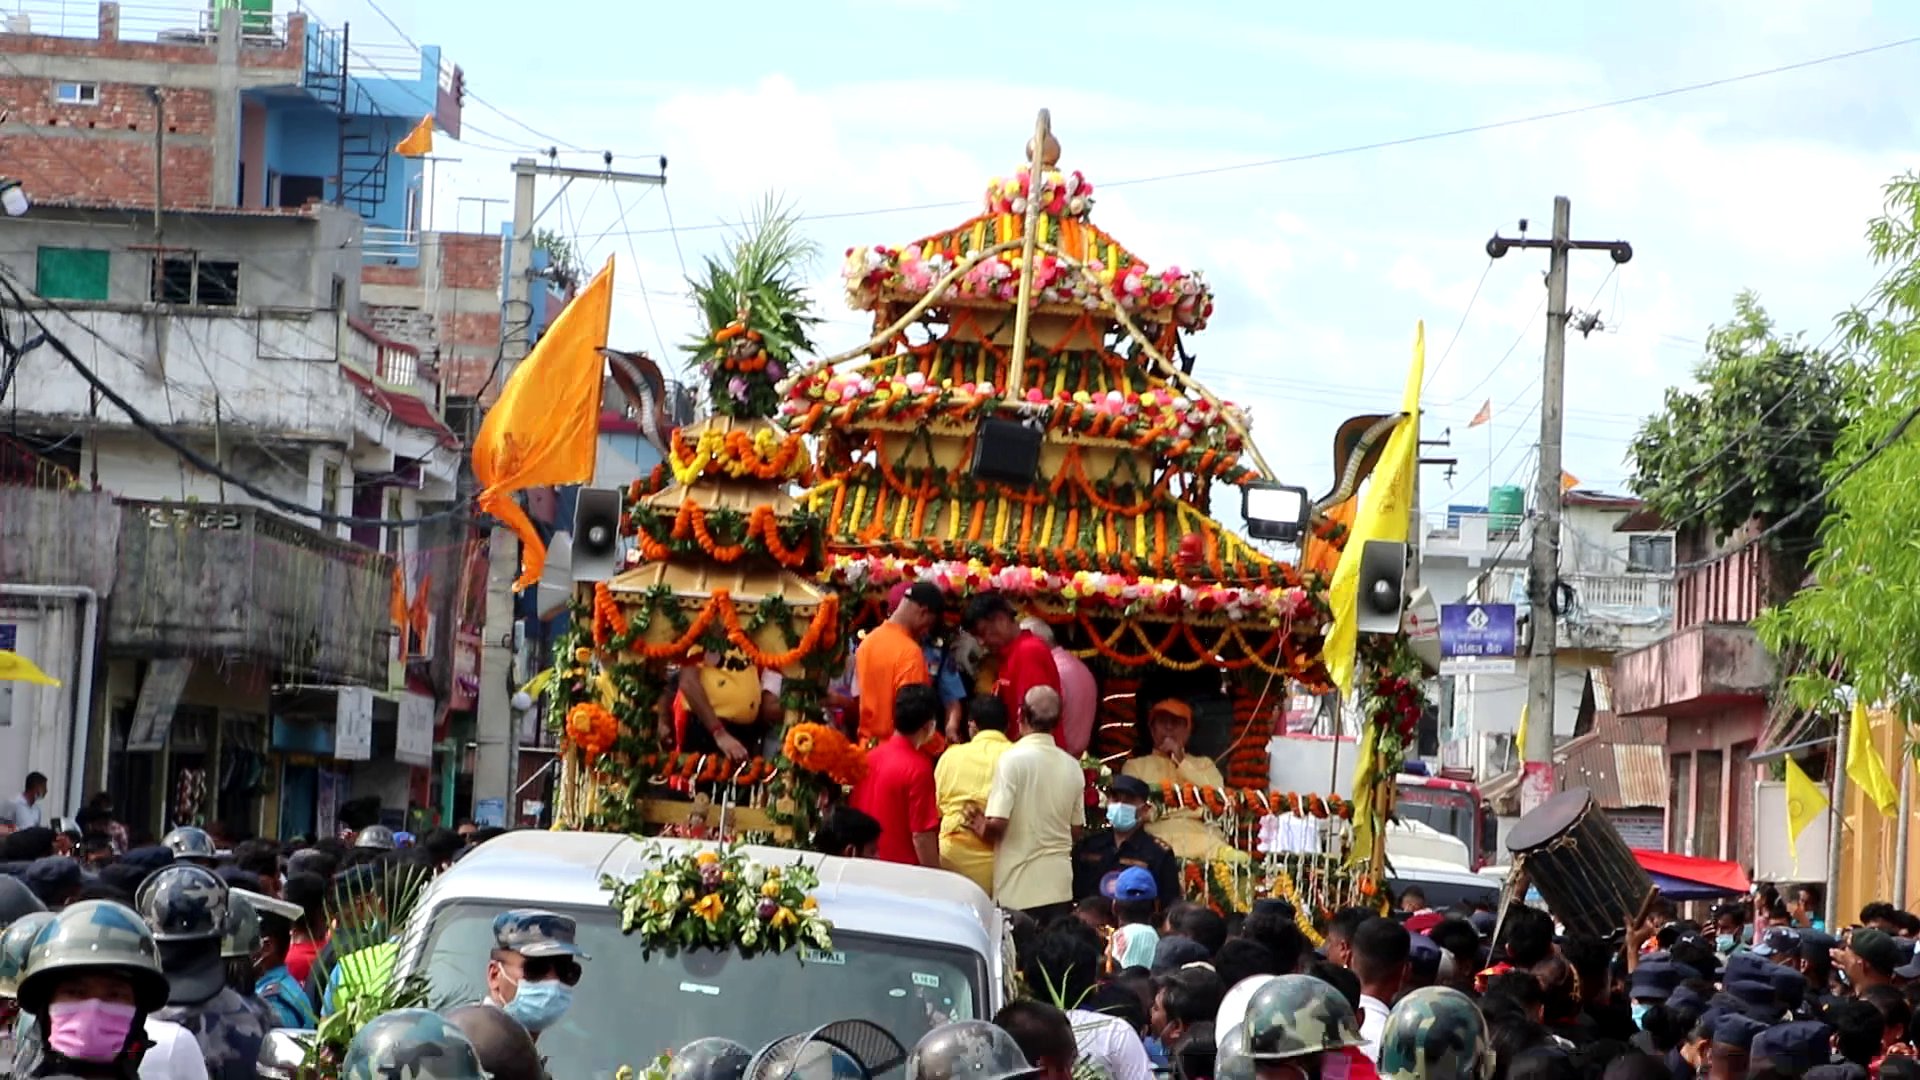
(90, 1030)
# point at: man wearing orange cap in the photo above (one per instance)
(1170, 725)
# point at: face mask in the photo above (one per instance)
(1724, 943)
(1156, 1050)
(89, 1030)
(1640, 1014)
(1124, 817)
(540, 1005)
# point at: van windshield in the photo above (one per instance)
(627, 1011)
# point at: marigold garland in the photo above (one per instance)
(823, 749)
(708, 768)
(690, 524)
(765, 454)
(593, 728)
(821, 631)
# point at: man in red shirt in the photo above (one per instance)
(898, 788)
(1025, 660)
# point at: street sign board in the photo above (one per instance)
(1476, 639)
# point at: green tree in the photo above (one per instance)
(1861, 614)
(563, 260)
(1750, 442)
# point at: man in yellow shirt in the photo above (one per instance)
(961, 780)
(1036, 809)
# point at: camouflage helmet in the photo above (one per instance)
(1296, 1015)
(532, 932)
(1230, 1060)
(240, 935)
(505, 1048)
(710, 1059)
(16, 900)
(94, 934)
(413, 1043)
(1435, 1033)
(15, 942)
(189, 842)
(184, 902)
(376, 838)
(967, 1050)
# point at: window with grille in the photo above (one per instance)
(1650, 555)
(197, 281)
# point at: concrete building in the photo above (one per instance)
(207, 185)
(1710, 679)
(1621, 597)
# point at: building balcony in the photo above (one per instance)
(1694, 671)
(1610, 613)
(1476, 537)
(236, 581)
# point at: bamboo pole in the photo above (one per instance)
(1037, 164)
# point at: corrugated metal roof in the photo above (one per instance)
(1623, 760)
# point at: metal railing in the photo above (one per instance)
(1631, 598)
(378, 242)
(172, 23)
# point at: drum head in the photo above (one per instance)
(1549, 820)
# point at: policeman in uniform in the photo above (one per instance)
(1292, 1023)
(1126, 844)
(186, 908)
(506, 1050)
(710, 1059)
(15, 940)
(1435, 1033)
(968, 1050)
(411, 1043)
(192, 845)
(534, 966)
(1230, 1060)
(95, 941)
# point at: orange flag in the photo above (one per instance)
(419, 618)
(419, 141)
(546, 425)
(1485, 414)
(397, 604)
(1568, 481)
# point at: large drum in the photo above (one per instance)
(1585, 872)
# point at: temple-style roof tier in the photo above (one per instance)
(1137, 532)
(1075, 262)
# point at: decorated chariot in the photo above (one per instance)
(1023, 420)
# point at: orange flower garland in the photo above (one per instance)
(592, 728)
(820, 631)
(708, 768)
(691, 523)
(820, 748)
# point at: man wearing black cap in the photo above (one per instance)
(1868, 959)
(1126, 844)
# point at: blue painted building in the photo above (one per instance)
(330, 135)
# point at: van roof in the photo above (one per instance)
(534, 868)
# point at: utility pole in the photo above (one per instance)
(498, 749)
(1543, 578)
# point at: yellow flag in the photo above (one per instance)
(546, 425)
(1383, 515)
(1804, 803)
(17, 668)
(1520, 736)
(1864, 766)
(419, 141)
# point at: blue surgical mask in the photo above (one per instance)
(1724, 943)
(1123, 816)
(1156, 1049)
(1640, 1014)
(540, 1005)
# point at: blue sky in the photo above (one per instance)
(1321, 267)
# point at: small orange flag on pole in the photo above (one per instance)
(1568, 481)
(1484, 415)
(546, 425)
(419, 141)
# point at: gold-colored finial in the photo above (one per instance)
(1049, 155)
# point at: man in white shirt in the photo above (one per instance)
(1036, 809)
(1381, 948)
(25, 812)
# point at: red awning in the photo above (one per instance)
(1705, 876)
